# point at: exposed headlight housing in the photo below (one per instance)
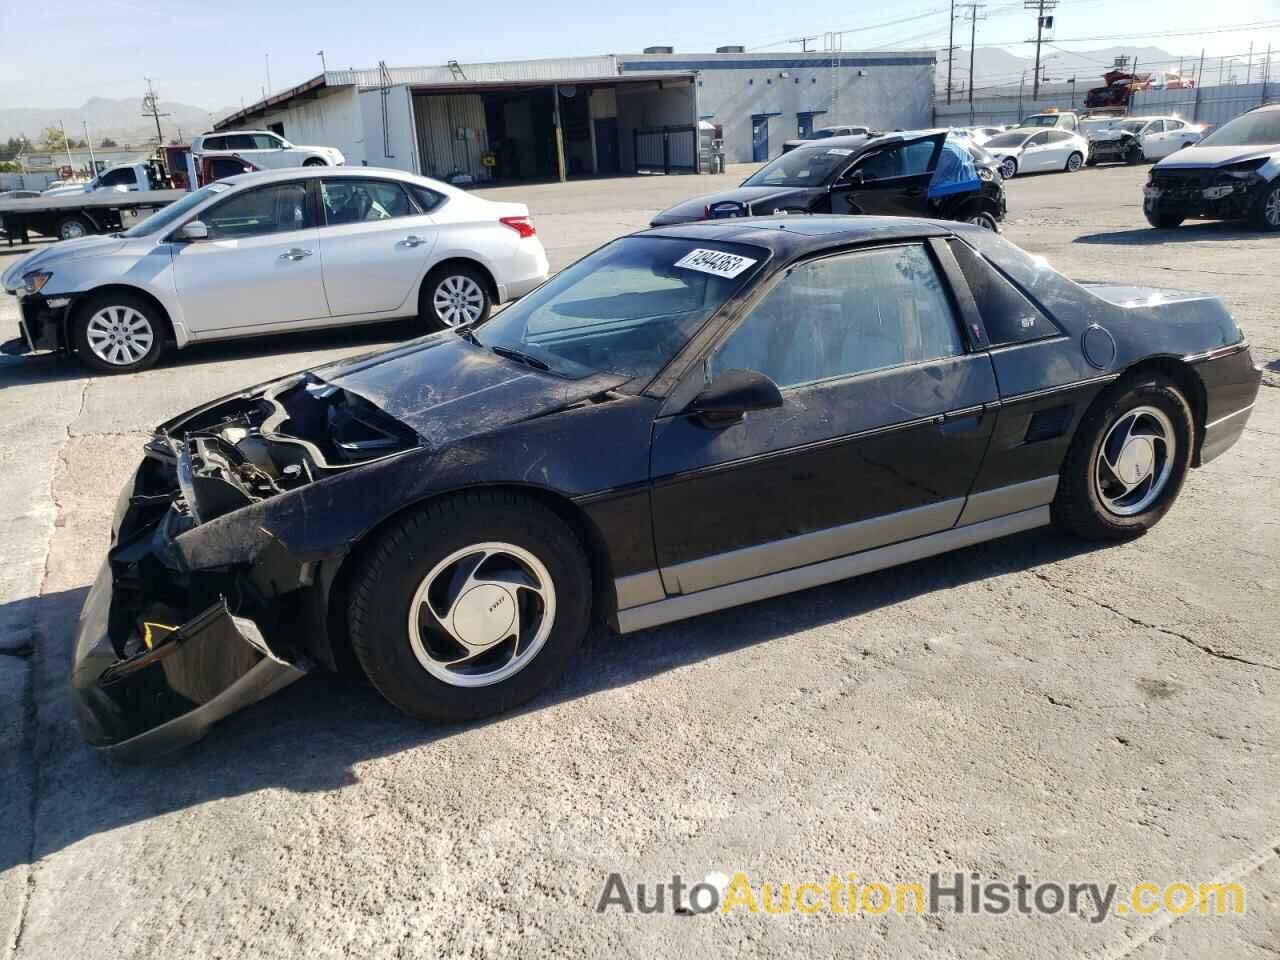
(34, 282)
(1244, 169)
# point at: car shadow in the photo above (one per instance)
(1211, 230)
(311, 736)
(50, 367)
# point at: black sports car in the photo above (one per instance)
(688, 418)
(924, 174)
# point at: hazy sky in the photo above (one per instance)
(212, 54)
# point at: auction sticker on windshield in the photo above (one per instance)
(715, 262)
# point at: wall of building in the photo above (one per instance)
(884, 90)
(395, 144)
(452, 135)
(331, 120)
(645, 106)
(1212, 105)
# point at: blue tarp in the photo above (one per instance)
(956, 172)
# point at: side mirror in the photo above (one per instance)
(192, 231)
(732, 394)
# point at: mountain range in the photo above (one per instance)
(121, 120)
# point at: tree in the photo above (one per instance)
(107, 143)
(10, 149)
(54, 139)
(8, 166)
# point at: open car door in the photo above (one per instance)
(891, 181)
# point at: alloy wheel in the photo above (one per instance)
(458, 300)
(481, 614)
(1008, 168)
(1272, 209)
(72, 230)
(983, 220)
(1135, 461)
(119, 335)
(1074, 162)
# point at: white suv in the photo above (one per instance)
(264, 149)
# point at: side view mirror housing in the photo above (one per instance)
(733, 394)
(192, 231)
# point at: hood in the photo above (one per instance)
(751, 199)
(1198, 156)
(48, 257)
(1110, 133)
(445, 388)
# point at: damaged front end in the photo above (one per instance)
(198, 609)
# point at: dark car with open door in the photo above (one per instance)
(923, 174)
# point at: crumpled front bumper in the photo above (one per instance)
(169, 694)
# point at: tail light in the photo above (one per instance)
(521, 225)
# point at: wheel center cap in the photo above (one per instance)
(484, 615)
(1136, 460)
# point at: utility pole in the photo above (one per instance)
(268, 58)
(323, 67)
(66, 144)
(973, 6)
(93, 161)
(1021, 83)
(1248, 72)
(951, 48)
(151, 109)
(1042, 23)
(803, 41)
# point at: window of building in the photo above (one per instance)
(845, 315)
(1008, 316)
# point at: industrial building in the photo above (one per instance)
(582, 116)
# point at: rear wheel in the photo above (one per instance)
(1266, 212)
(470, 606)
(1127, 461)
(73, 228)
(454, 296)
(314, 162)
(118, 333)
(1075, 162)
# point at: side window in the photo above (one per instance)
(221, 167)
(1171, 125)
(239, 141)
(1039, 140)
(124, 177)
(845, 315)
(360, 201)
(1008, 316)
(214, 143)
(1059, 136)
(900, 160)
(264, 141)
(275, 209)
(428, 200)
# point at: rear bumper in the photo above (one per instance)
(176, 687)
(1231, 382)
(526, 271)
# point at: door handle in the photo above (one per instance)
(412, 241)
(295, 253)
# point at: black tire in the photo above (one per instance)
(1078, 507)
(1078, 157)
(1133, 154)
(1164, 221)
(314, 162)
(73, 228)
(1008, 168)
(395, 566)
(1092, 161)
(445, 275)
(120, 303)
(1265, 214)
(984, 220)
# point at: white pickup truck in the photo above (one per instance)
(132, 176)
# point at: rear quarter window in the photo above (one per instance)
(1007, 314)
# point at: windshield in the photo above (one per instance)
(1253, 129)
(627, 308)
(1008, 140)
(165, 216)
(1043, 120)
(800, 168)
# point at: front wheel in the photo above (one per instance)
(1008, 167)
(1164, 221)
(984, 220)
(118, 333)
(1127, 462)
(454, 296)
(1075, 162)
(1266, 212)
(470, 606)
(1133, 154)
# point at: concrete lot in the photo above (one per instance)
(1031, 706)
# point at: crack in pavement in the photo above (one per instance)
(1202, 647)
(31, 713)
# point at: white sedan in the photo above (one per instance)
(1028, 150)
(1143, 138)
(272, 252)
